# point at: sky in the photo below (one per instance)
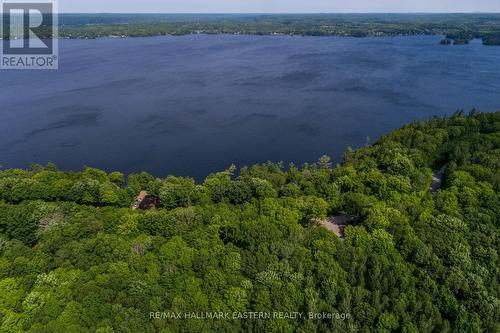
(276, 6)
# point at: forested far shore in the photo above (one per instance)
(84, 252)
(457, 28)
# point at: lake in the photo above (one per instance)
(195, 104)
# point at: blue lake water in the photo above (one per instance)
(195, 104)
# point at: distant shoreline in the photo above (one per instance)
(445, 41)
(457, 28)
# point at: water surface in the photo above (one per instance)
(195, 104)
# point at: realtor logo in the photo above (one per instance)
(30, 35)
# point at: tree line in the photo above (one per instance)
(75, 258)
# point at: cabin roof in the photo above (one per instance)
(142, 195)
(143, 201)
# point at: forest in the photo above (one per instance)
(75, 257)
(457, 28)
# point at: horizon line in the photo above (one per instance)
(282, 13)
